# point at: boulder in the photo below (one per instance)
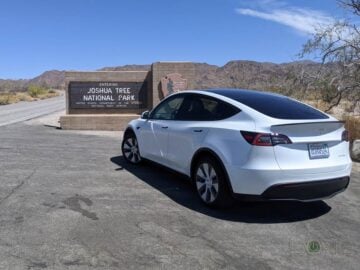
(355, 150)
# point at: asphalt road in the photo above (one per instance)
(69, 201)
(22, 111)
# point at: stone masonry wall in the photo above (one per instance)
(161, 69)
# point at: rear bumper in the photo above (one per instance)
(256, 180)
(301, 191)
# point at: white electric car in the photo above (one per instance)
(236, 143)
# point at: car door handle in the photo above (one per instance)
(197, 130)
(164, 127)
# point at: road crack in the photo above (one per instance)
(17, 187)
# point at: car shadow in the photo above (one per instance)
(178, 188)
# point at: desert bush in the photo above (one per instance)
(36, 91)
(5, 99)
(33, 93)
(328, 92)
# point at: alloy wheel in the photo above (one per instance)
(207, 182)
(131, 150)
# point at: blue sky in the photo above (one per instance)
(39, 35)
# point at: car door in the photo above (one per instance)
(154, 132)
(194, 120)
(188, 133)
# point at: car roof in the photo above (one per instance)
(246, 93)
(235, 93)
(268, 104)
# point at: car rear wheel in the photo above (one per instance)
(130, 148)
(210, 182)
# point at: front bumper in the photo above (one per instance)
(301, 191)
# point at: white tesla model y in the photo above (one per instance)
(246, 144)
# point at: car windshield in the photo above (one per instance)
(273, 105)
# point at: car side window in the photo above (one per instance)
(167, 109)
(203, 108)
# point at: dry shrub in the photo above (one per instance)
(4, 99)
(37, 91)
(7, 98)
(24, 97)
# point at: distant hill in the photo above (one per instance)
(127, 68)
(13, 85)
(235, 74)
(253, 75)
(53, 79)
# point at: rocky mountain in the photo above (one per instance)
(53, 78)
(252, 75)
(235, 74)
(127, 68)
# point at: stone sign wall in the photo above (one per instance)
(108, 100)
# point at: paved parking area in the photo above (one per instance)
(68, 201)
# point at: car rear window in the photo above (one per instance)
(273, 105)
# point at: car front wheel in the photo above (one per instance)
(130, 149)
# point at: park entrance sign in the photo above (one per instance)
(108, 100)
(95, 95)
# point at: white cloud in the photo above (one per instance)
(303, 20)
(263, 3)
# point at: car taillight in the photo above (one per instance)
(265, 139)
(345, 136)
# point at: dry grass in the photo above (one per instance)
(352, 124)
(24, 97)
(14, 97)
(48, 95)
(319, 104)
(344, 112)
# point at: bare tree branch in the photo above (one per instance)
(338, 46)
(352, 5)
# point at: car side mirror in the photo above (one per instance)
(145, 115)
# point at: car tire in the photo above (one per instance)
(130, 148)
(211, 183)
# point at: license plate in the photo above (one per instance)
(318, 150)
